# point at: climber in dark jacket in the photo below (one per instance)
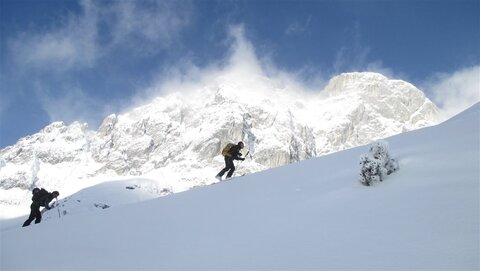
(232, 154)
(40, 198)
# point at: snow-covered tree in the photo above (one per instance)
(377, 164)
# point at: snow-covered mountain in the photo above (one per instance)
(312, 215)
(176, 139)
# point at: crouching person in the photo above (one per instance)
(41, 198)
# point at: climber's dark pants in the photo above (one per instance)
(229, 166)
(34, 214)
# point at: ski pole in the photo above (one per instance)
(239, 163)
(58, 207)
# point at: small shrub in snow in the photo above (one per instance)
(376, 164)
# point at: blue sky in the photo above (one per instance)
(71, 60)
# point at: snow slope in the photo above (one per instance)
(308, 215)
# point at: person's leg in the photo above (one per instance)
(231, 167)
(31, 217)
(227, 167)
(38, 216)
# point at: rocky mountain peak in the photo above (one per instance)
(178, 137)
(363, 83)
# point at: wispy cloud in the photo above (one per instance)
(240, 62)
(72, 104)
(83, 38)
(241, 66)
(298, 27)
(356, 56)
(456, 91)
(244, 62)
(148, 25)
(49, 58)
(68, 46)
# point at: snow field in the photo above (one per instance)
(309, 215)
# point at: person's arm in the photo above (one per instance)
(47, 201)
(237, 155)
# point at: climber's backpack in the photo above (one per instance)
(38, 194)
(225, 151)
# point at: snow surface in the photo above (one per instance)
(312, 214)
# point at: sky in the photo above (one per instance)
(66, 60)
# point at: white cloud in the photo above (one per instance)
(71, 45)
(351, 58)
(241, 62)
(80, 40)
(83, 38)
(242, 59)
(241, 66)
(71, 105)
(245, 65)
(355, 57)
(455, 92)
(151, 25)
(69, 102)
